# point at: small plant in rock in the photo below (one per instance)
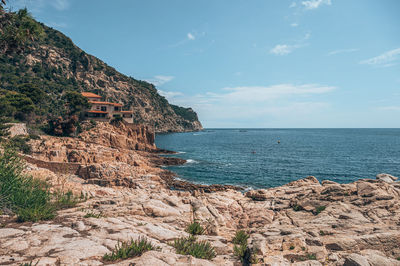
(29, 263)
(198, 249)
(195, 228)
(311, 257)
(129, 249)
(92, 214)
(64, 200)
(240, 238)
(297, 208)
(241, 249)
(322, 233)
(291, 247)
(319, 209)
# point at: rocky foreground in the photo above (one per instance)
(302, 223)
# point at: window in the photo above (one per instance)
(97, 107)
(104, 108)
(116, 108)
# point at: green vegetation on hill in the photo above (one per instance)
(186, 113)
(40, 64)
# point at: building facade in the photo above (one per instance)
(105, 111)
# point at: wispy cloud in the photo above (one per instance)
(190, 36)
(170, 94)
(314, 4)
(60, 4)
(255, 103)
(57, 24)
(389, 108)
(384, 60)
(294, 24)
(285, 49)
(36, 6)
(292, 5)
(160, 80)
(342, 51)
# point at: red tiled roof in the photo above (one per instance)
(106, 103)
(127, 112)
(90, 95)
(97, 112)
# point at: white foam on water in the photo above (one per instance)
(191, 161)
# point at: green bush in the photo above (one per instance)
(20, 143)
(195, 229)
(130, 249)
(197, 249)
(319, 209)
(92, 214)
(65, 200)
(240, 238)
(241, 249)
(29, 198)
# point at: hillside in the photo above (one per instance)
(53, 63)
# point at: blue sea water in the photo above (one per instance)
(253, 158)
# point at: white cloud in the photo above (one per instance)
(170, 95)
(293, 4)
(285, 49)
(294, 24)
(254, 105)
(160, 80)
(259, 93)
(282, 49)
(342, 51)
(60, 4)
(57, 24)
(314, 4)
(190, 36)
(390, 108)
(384, 60)
(36, 6)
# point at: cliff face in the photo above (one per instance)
(55, 64)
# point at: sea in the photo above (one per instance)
(263, 158)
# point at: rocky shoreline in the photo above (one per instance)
(304, 222)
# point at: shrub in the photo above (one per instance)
(241, 249)
(20, 143)
(311, 256)
(29, 198)
(319, 209)
(197, 249)
(297, 208)
(65, 200)
(130, 249)
(195, 229)
(93, 215)
(240, 238)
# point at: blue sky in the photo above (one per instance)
(240, 63)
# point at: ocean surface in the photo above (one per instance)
(253, 158)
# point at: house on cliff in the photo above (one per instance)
(105, 111)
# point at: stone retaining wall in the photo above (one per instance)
(57, 167)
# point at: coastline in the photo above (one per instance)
(304, 222)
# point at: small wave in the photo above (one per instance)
(247, 188)
(191, 161)
(196, 134)
(181, 152)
